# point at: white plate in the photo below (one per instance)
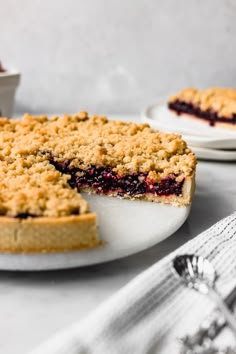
(194, 132)
(126, 226)
(211, 154)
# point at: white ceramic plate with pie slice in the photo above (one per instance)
(195, 133)
(126, 227)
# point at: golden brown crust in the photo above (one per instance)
(220, 100)
(45, 234)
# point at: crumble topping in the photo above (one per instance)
(219, 100)
(37, 189)
(29, 182)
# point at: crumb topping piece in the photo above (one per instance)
(29, 182)
(220, 100)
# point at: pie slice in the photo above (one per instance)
(216, 106)
(45, 163)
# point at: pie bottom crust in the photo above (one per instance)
(192, 117)
(48, 234)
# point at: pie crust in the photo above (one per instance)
(45, 163)
(48, 234)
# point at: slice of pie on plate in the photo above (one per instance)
(45, 163)
(215, 106)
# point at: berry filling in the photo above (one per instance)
(211, 116)
(29, 215)
(104, 180)
(25, 215)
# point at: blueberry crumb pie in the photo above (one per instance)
(46, 163)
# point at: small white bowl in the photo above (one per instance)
(9, 81)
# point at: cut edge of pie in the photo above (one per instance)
(184, 199)
(214, 106)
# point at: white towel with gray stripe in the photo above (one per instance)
(154, 311)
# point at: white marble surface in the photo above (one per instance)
(35, 305)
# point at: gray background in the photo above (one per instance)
(112, 55)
